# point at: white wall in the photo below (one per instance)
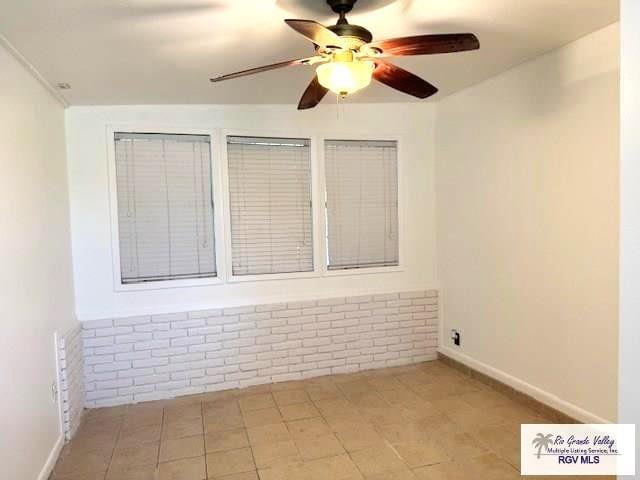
(527, 201)
(629, 387)
(91, 223)
(527, 208)
(36, 293)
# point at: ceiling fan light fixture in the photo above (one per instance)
(349, 59)
(345, 77)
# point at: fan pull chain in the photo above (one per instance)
(339, 108)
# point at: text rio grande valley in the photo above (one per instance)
(575, 450)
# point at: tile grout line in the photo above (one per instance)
(286, 424)
(156, 473)
(347, 452)
(204, 442)
(113, 451)
(273, 399)
(375, 427)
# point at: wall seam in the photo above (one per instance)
(35, 73)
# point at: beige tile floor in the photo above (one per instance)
(422, 422)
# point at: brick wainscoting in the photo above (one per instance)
(71, 382)
(135, 359)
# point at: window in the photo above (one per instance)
(165, 206)
(361, 203)
(270, 205)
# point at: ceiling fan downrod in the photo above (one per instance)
(342, 27)
(341, 7)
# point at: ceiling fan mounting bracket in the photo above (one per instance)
(341, 7)
(342, 27)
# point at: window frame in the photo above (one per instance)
(226, 214)
(222, 213)
(118, 285)
(374, 136)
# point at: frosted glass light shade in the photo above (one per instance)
(344, 78)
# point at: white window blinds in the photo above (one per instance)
(362, 203)
(270, 205)
(165, 206)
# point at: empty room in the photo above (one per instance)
(319, 239)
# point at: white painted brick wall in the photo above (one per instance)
(71, 386)
(128, 360)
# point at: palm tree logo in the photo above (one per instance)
(542, 441)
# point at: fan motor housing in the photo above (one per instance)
(348, 30)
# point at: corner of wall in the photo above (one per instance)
(28, 66)
(50, 463)
(522, 386)
(71, 389)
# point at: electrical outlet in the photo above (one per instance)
(54, 392)
(456, 337)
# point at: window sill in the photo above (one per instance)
(163, 284)
(272, 276)
(363, 271)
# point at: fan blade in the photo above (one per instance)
(427, 44)
(265, 68)
(398, 78)
(318, 34)
(312, 95)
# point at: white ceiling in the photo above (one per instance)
(164, 51)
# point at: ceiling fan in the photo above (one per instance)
(347, 58)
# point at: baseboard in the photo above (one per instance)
(548, 399)
(51, 459)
